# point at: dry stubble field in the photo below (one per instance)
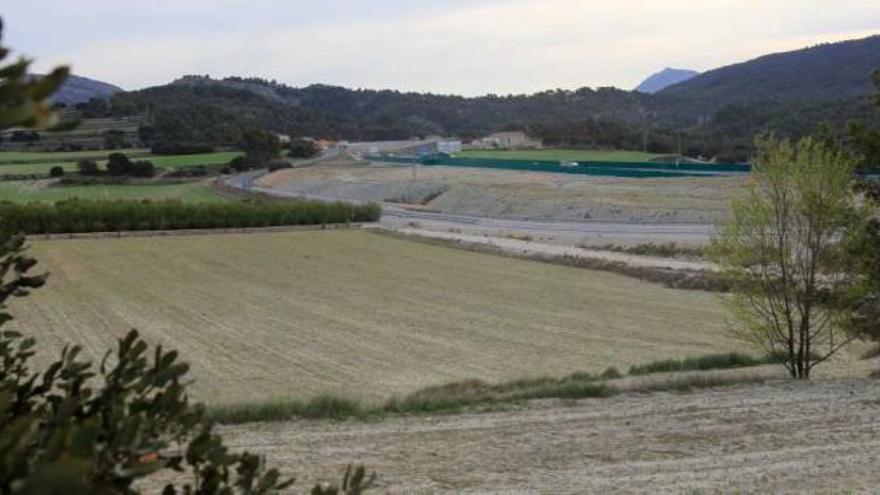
(271, 315)
(780, 437)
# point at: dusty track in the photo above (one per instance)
(778, 437)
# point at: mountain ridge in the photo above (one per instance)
(667, 77)
(823, 72)
(79, 89)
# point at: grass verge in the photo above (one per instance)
(702, 363)
(471, 395)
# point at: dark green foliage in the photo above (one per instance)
(142, 168)
(87, 168)
(707, 362)
(56, 171)
(241, 164)
(261, 147)
(76, 216)
(302, 148)
(118, 164)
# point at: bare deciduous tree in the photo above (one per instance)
(781, 254)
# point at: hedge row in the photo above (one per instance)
(76, 216)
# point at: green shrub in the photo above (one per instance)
(142, 168)
(118, 164)
(56, 171)
(87, 167)
(241, 164)
(75, 216)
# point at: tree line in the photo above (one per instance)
(77, 216)
(212, 112)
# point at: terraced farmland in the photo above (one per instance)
(296, 314)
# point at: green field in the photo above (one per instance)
(40, 163)
(174, 161)
(28, 190)
(7, 157)
(562, 155)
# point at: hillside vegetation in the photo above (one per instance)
(714, 114)
(826, 72)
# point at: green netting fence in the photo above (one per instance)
(610, 169)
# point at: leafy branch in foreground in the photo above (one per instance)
(71, 428)
(74, 428)
(24, 100)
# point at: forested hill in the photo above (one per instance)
(834, 71)
(713, 114)
(336, 112)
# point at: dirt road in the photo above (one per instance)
(778, 437)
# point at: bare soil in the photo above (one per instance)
(514, 194)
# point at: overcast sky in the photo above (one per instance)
(450, 46)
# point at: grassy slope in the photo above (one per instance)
(562, 155)
(24, 191)
(265, 316)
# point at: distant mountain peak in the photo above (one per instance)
(665, 78)
(78, 89)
